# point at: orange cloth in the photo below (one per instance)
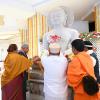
(99, 95)
(14, 65)
(76, 72)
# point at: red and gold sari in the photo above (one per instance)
(12, 78)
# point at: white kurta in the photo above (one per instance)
(67, 36)
(55, 84)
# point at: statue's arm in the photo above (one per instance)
(74, 35)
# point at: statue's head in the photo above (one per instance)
(56, 17)
(60, 16)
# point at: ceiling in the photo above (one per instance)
(14, 13)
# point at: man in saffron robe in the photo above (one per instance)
(76, 71)
(12, 78)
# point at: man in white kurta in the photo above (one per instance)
(55, 66)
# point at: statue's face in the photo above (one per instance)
(57, 17)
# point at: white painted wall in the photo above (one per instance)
(81, 26)
(5, 43)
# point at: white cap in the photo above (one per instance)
(88, 46)
(54, 47)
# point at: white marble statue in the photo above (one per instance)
(57, 20)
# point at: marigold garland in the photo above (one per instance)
(89, 36)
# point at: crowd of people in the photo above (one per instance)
(59, 72)
(63, 77)
(13, 80)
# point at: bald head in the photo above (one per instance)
(54, 48)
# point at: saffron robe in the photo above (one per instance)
(76, 72)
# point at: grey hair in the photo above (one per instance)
(25, 46)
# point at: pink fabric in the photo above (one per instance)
(13, 90)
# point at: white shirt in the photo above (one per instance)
(55, 83)
(93, 59)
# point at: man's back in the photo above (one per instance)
(55, 75)
(22, 53)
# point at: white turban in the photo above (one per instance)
(54, 48)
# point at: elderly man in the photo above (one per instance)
(89, 50)
(55, 65)
(24, 50)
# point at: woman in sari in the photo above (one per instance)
(12, 78)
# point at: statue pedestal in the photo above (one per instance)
(35, 81)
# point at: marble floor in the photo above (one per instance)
(34, 97)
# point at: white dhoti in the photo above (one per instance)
(47, 97)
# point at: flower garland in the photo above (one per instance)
(54, 38)
(89, 36)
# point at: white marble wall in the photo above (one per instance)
(5, 43)
(81, 26)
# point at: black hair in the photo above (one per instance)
(12, 47)
(78, 44)
(89, 44)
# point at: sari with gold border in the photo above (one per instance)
(11, 80)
